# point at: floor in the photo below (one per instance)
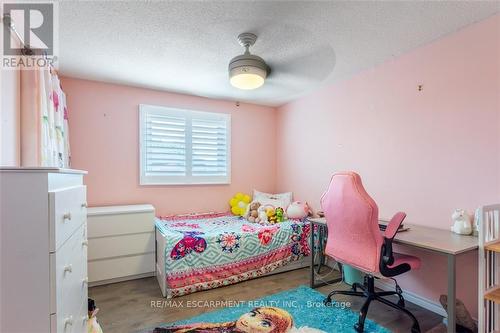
(130, 306)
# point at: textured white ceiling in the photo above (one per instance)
(186, 46)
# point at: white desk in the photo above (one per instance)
(438, 241)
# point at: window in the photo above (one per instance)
(184, 147)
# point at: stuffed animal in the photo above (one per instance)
(253, 212)
(239, 203)
(461, 222)
(297, 210)
(265, 212)
(262, 219)
(92, 324)
(280, 214)
(271, 215)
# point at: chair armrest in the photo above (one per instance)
(394, 224)
(390, 232)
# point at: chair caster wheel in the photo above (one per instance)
(353, 288)
(327, 301)
(359, 329)
(415, 330)
(401, 303)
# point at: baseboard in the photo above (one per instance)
(413, 298)
(301, 263)
(121, 279)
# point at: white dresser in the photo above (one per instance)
(121, 243)
(43, 250)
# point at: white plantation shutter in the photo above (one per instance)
(165, 145)
(183, 146)
(209, 147)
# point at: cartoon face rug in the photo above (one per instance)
(258, 320)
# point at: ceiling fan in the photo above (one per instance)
(247, 71)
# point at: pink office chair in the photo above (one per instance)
(354, 238)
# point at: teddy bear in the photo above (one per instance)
(461, 222)
(253, 212)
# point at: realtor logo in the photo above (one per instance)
(28, 33)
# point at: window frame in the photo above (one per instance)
(188, 179)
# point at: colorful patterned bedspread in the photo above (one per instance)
(209, 251)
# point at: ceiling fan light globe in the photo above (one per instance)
(247, 78)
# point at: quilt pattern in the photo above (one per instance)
(210, 251)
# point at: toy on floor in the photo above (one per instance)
(92, 324)
(465, 323)
(239, 203)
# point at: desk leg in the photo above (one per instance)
(451, 293)
(321, 232)
(312, 256)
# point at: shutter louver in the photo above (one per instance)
(165, 146)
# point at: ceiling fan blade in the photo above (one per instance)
(313, 65)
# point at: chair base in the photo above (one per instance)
(368, 291)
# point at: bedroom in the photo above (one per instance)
(200, 154)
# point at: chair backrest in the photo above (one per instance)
(354, 237)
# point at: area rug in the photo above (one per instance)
(295, 310)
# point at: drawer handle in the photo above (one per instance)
(68, 321)
(84, 205)
(68, 268)
(85, 318)
(85, 281)
(85, 242)
(67, 216)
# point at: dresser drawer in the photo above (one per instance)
(116, 268)
(122, 245)
(72, 323)
(120, 224)
(67, 212)
(68, 291)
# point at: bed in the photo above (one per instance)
(201, 252)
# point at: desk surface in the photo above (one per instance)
(428, 238)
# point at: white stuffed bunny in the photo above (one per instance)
(461, 222)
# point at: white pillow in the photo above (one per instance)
(282, 200)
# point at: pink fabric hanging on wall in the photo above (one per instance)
(44, 120)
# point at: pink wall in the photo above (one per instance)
(424, 152)
(10, 104)
(104, 140)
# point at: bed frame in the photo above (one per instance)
(160, 264)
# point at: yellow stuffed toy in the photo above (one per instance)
(92, 324)
(239, 203)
